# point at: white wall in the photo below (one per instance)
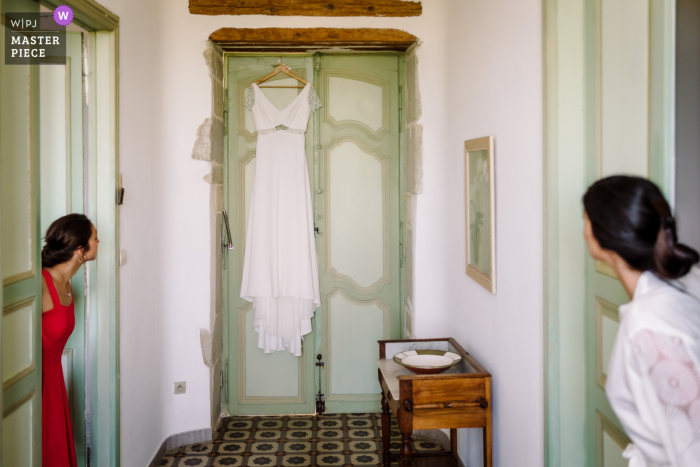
(491, 70)
(491, 86)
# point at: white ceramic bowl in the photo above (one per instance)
(427, 361)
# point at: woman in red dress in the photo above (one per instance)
(70, 242)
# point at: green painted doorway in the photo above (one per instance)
(609, 93)
(62, 187)
(629, 131)
(58, 142)
(353, 148)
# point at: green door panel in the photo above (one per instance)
(357, 211)
(258, 383)
(20, 267)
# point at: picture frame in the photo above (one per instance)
(480, 211)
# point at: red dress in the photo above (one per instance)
(58, 449)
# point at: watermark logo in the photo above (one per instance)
(33, 38)
(63, 15)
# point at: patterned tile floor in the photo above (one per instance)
(342, 440)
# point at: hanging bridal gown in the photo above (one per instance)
(280, 274)
(653, 381)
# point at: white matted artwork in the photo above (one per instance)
(480, 211)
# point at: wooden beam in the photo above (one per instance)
(307, 7)
(270, 39)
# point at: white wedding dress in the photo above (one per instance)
(280, 274)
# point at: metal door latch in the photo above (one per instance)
(320, 397)
(226, 243)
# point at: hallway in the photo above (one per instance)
(295, 441)
(566, 91)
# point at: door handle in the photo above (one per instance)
(317, 169)
(225, 244)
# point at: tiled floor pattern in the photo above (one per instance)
(297, 441)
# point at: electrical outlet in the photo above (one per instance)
(180, 387)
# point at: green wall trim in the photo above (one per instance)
(104, 274)
(564, 248)
(88, 14)
(550, 239)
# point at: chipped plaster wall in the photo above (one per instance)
(215, 137)
(414, 180)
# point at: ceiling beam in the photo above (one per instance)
(400, 8)
(272, 39)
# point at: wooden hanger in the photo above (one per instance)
(282, 68)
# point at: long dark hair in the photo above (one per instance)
(631, 217)
(64, 236)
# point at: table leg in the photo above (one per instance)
(487, 446)
(406, 449)
(386, 430)
(453, 442)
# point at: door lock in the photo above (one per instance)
(320, 397)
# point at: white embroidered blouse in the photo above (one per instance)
(653, 381)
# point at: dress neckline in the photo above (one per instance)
(54, 293)
(288, 106)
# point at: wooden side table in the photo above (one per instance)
(457, 398)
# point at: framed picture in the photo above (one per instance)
(480, 211)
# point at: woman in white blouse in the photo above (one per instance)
(653, 382)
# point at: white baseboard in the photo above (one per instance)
(202, 435)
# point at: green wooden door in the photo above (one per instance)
(629, 132)
(62, 192)
(357, 212)
(352, 147)
(20, 244)
(258, 383)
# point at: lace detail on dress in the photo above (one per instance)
(666, 364)
(314, 101)
(249, 98)
(281, 128)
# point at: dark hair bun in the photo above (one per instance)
(672, 259)
(630, 216)
(63, 237)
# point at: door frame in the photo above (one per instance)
(103, 277)
(569, 90)
(228, 406)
